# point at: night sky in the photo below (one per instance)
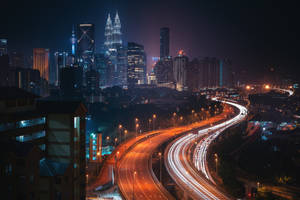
(253, 34)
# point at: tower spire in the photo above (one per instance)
(108, 33)
(117, 35)
(73, 41)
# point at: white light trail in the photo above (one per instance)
(179, 168)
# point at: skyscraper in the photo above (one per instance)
(115, 52)
(164, 42)
(3, 47)
(113, 34)
(61, 60)
(101, 65)
(16, 59)
(71, 81)
(73, 42)
(108, 34)
(116, 34)
(85, 45)
(41, 62)
(163, 70)
(136, 64)
(180, 71)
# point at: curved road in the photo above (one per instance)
(182, 171)
(135, 177)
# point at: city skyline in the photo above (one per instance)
(261, 36)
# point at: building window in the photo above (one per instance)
(30, 137)
(31, 122)
(42, 147)
(76, 122)
(22, 124)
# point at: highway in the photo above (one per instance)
(135, 177)
(184, 173)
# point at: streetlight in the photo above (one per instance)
(174, 118)
(149, 120)
(125, 133)
(160, 172)
(136, 128)
(118, 155)
(181, 119)
(267, 87)
(154, 117)
(116, 140)
(107, 139)
(134, 174)
(98, 160)
(120, 131)
(216, 160)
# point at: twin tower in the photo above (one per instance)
(113, 35)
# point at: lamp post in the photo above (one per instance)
(134, 174)
(120, 132)
(216, 160)
(149, 120)
(116, 140)
(97, 160)
(118, 155)
(125, 133)
(174, 118)
(154, 117)
(136, 129)
(160, 172)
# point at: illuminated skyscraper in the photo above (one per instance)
(115, 52)
(164, 42)
(41, 62)
(113, 35)
(180, 71)
(73, 41)
(61, 60)
(136, 64)
(108, 34)
(116, 34)
(85, 45)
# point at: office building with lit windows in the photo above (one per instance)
(85, 46)
(115, 52)
(180, 70)
(41, 62)
(46, 152)
(136, 70)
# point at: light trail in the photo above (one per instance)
(291, 92)
(180, 169)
